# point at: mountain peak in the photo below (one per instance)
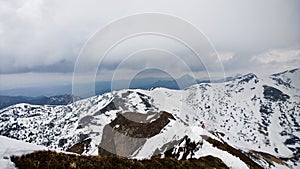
(246, 78)
(289, 78)
(286, 72)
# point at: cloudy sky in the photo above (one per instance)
(40, 40)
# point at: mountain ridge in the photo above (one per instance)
(250, 113)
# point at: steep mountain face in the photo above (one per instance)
(258, 116)
(123, 136)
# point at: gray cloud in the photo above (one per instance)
(273, 60)
(62, 66)
(46, 36)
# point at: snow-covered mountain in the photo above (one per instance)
(259, 116)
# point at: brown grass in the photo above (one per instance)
(49, 160)
(268, 157)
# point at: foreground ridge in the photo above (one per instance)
(49, 159)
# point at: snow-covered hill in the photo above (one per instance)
(258, 115)
(14, 147)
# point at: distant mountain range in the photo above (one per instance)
(61, 95)
(6, 101)
(24, 95)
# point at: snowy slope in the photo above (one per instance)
(249, 113)
(10, 147)
(176, 132)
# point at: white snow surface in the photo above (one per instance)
(11, 147)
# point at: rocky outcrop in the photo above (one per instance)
(124, 135)
(185, 149)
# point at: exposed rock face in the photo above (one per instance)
(184, 149)
(274, 94)
(114, 143)
(124, 136)
(80, 147)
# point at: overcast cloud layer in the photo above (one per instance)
(42, 38)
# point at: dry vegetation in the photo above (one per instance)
(268, 157)
(49, 159)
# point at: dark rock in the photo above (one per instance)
(273, 94)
